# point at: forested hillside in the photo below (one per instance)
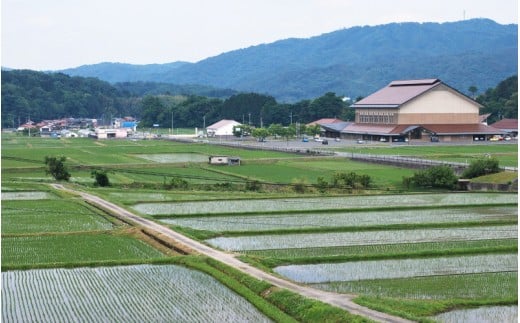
(35, 95)
(38, 96)
(351, 62)
(501, 101)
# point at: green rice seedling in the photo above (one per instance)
(317, 220)
(142, 293)
(479, 286)
(324, 203)
(382, 237)
(399, 268)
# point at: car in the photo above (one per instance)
(318, 139)
(324, 142)
(305, 140)
(360, 141)
(507, 138)
(383, 139)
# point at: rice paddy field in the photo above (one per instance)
(140, 293)
(448, 248)
(423, 253)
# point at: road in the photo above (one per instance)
(343, 301)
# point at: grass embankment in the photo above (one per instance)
(279, 304)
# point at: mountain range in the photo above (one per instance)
(350, 62)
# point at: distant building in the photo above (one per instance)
(509, 126)
(421, 110)
(101, 133)
(224, 160)
(222, 128)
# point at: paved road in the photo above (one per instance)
(343, 301)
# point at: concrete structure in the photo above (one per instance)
(224, 160)
(222, 128)
(102, 133)
(426, 110)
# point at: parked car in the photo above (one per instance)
(305, 139)
(360, 141)
(324, 142)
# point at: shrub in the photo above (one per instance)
(100, 178)
(57, 168)
(436, 176)
(480, 167)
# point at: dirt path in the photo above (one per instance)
(343, 301)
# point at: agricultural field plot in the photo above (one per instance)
(288, 221)
(174, 158)
(11, 196)
(399, 268)
(358, 238)
(507, 154)
(323, 203)
(295, 255)
(487, 314)
(309, 170)
(142, 293)
(29, 216)
(478, 286)
(78, 248)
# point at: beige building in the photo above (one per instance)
(424, 110)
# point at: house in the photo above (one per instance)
(422, 110)
(222, 128)
(510, 126)
(324, 121)
(224, 160)
(102, 133)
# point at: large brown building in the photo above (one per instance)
(424, 110)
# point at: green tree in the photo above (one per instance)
(100, 178)
(57, 168)
(480, 167)
(473, 90)
(436, 177)
(260, 133)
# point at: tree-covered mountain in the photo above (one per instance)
(501, 101)
(351, 62)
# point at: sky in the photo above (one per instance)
(58, 34)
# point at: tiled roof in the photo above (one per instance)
(440, 129)
(366, 128)
(335, 126)
(509, 124)
(325, 121)
(461, 129)
(222, 123)
(397, 93)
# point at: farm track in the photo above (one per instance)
(343, 301)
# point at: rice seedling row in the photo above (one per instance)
(143, 293)
(378, 250)
(329, 203)
(21, 217)
(336, 239)
(11, 196)
(486, 314)
(399, 268)
(477, 286)
(345, 219)
(73, 248)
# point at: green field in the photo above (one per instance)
(507, 154)
(66, 249)
(270, 225)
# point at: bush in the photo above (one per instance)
(351, 180)
(57, 168)
(437, 177)
(100, 178)
(480, 167)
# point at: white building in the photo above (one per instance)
(222, 128)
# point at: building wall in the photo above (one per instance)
(441, 105)
(380, 116)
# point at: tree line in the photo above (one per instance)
(38, 96)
